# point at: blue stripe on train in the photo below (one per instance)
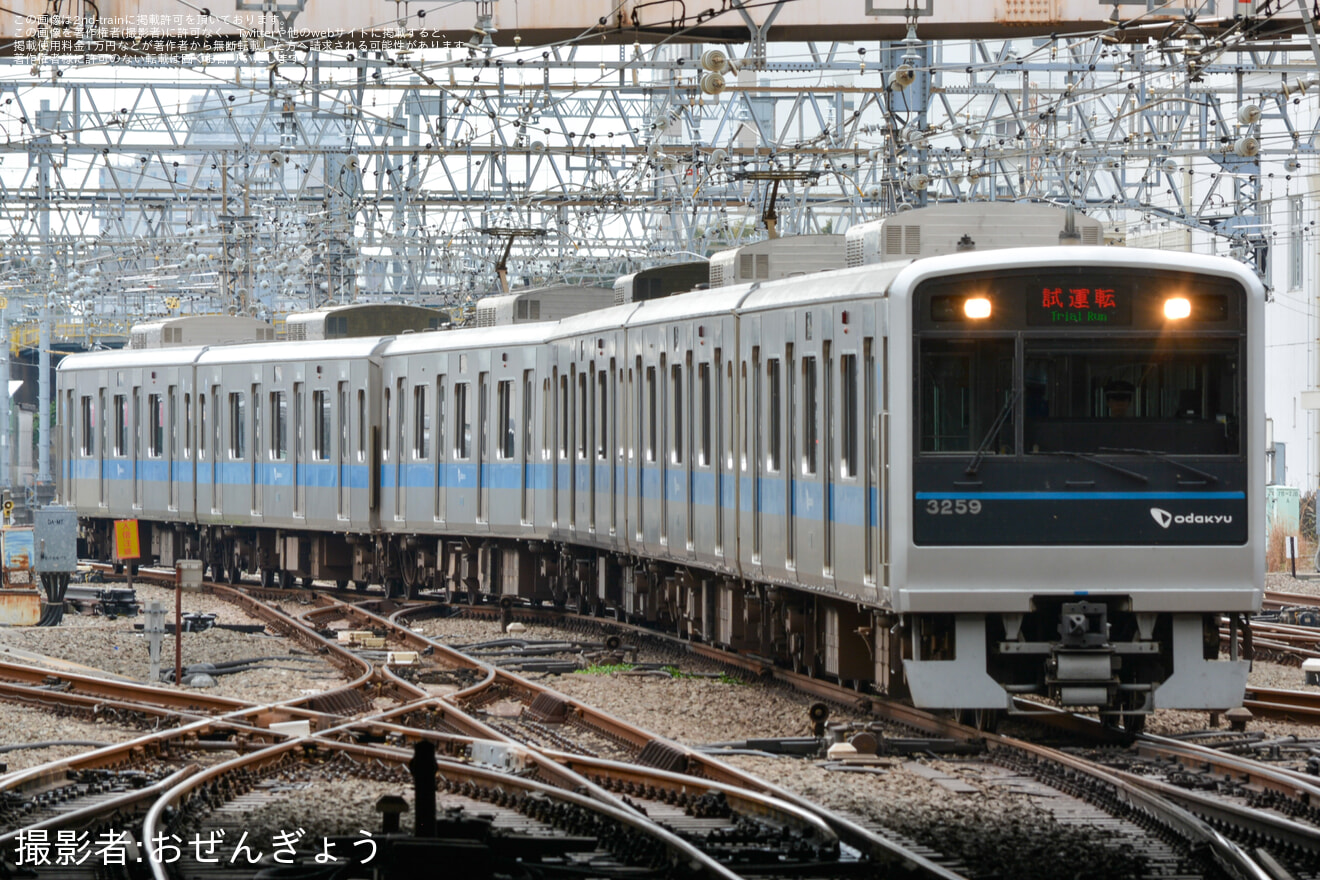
(848, 502)
(1081, 496)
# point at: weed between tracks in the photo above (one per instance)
(604, 669)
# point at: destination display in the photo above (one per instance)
(1072, 304)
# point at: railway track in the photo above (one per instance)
(645, 818)
(494, 732)
(1200, 824)
(507, 707)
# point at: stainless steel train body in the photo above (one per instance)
(910, 476)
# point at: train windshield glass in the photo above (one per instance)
(1109, 395)
(1079, 360)
(1080, 395)
(966, 383)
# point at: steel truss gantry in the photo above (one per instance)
(274, 180)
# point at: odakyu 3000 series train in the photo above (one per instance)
(966, 477)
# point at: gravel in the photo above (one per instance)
(1285, 583)
(674, 706)
(678, 708)
(112, 645)
(24, 724)
(991, 828)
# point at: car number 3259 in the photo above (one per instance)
(951, 507)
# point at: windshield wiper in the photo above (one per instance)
(1091, 457)
(998, 423)
(1163, 456)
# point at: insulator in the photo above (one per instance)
(902, 77)
(714, 60)
(1246, 147)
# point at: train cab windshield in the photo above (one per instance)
(1032, 380)
(1079, 406)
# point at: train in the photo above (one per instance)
(965, 478)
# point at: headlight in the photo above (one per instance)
(976, 307)
(1177, 307)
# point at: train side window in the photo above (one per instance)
(723, 406)
(362, 425)
(676, 375)
(848, 414)
(421, 425)
(217, 429)
(401, 401)
(299, 424)
(121, 424)
(201, 426)
(703, 381)
(102, 414)
(321, 425)
(810, 429)
(462, 422)
(172, 419)
(620, 409)
(603, 422)
(508, 428)
(256, 421)
(88, 426)
(772, 378)
(344, 427)
(279, 426)
(563, 417)
(385, 408)
(529, 385)
(634, 408)
(237, 425)
(155, 426)
(483, 415)
(583, 422)
(650, 414)
(746, 413)
(187, 425)
(547, 413)
(440, 416)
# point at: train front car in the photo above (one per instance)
(1086, 489)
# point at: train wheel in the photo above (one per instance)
(307, 583)
(360, 586)
(341, 585)
(267, 578)
(235, 572)
(287, 580)
(986, 720)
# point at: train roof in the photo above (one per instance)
(470, 337)
(611, 318)
(820, 287)
(310, 350)
(129, 358)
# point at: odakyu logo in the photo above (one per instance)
(1165, 519)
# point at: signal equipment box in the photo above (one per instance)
(55, 540)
